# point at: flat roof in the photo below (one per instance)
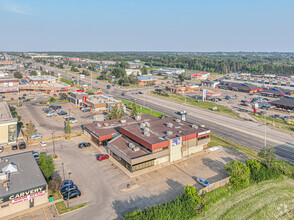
(113, 126)
(96, 99)
(43, 77)
(284, 101)
(121, 144)
(5, 114)
(158, 130)
(28, 176)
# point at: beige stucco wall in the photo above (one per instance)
(175, 151)
(3, 134)
(12, 209)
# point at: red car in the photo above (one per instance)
(12, 98)
(113, 85)
(102, 157)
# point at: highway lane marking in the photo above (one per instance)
(45, 214)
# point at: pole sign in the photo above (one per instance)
(204, 95)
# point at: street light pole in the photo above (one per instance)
(264, 131)
(63, 171)
(68, 189)
(53, 144)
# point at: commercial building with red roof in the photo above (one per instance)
(145, 141)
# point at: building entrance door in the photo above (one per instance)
(31, 203)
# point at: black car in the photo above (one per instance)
(3, 97)
(72, 194)
(14, 147)
(84, 144)
(22, 145)
(70, 188)
(26, 100)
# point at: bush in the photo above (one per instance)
(240, 174)
(259, 172)
(54, 184)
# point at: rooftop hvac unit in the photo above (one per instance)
(143, 125)
(98, 125)
(178, 120)
(123, 121)
(202, 126)
(147, 124)
(105, 124)
(131, 145)
(138, 117)
(169, 133)
(147, 134)
(136, 149)
(169, 125)
(194, 126)
(146, 129)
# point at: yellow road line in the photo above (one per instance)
(32, 215)
(19, 217)
(45, 214)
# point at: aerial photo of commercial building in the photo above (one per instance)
(8, 125)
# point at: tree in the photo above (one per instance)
(17, 75)
(90, 91)
(46, 165)
(268, 156)
(182, 77)
(86, 72)
(144, 70)
(193, 192)
(119, 73)
(52, 99)
(29, 130)
(33, 73)
(60, 66)
(55, 184)
(134, 109)
(239, 172)
(67, 129)
(63, 96)
(116, 113)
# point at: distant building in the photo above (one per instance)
(209, 84)
(134, 72)
(276, 91)
(42, 79)
(135, 65)
(23, 185)
(182, 89)
(9, 85)
(97, 103)
(168, 71)
(144, 80)
(145, 141)
(197, 76)
(284, 103)
(8, 125)
(241, 87)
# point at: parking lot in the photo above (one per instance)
(46, 125)
(45, 213)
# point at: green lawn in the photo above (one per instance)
(69, 82)
(204, 105)
(272, 199)
(61, 207)
(273, 122)
(141, 109)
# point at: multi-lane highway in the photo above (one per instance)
(247, 133)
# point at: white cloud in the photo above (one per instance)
(16, 8)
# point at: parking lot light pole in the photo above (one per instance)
(264, 131)
(63, 171)
(68, 189)
(53, 144)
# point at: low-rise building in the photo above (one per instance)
(182, 89)
(9, 85)
(276, 91)
(197, 76)
(134, 72)
(42, 79)
(23, 185)
(241, 87)
(210, 84)
(135, 65)
(145, 80)
(97, 103)
(8, 125)
(144, 141)
(284, 103)
(168, 71)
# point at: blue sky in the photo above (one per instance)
(147, 25)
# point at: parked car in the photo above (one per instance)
(67, 116)
(102, 157)
(71, 194)
(66, 183)
(23, 97)
(36, 155)
(73, 120)
(85, 110)
(43, 143)
(3, 97)
(12, 99)
(202, 182)
(22, 145)
(61, 112)
(140, 92)
(36, 136)
(14, 147)
(24, 94)
(1, 149)
(26, 100)
(47, 110)
(51, 114)
(66, 189)
(84, 144)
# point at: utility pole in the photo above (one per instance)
(53, 144)
(91, 80)
(63, 171)
(264, 131)
(68, 189)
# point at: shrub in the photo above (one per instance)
(259, 172)
(54, 184)
(239, 172)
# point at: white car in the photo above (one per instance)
(51, 114)
(73, 121)
(36, 136)
(43, 143)
(67, 116)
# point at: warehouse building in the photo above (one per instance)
(8, 85)
(8, 125)
(276, 91)
(23, 185)
(241, 87)
(284, 103)
(144, 141)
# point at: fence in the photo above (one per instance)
(215, 185)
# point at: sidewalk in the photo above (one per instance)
(18, 214)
